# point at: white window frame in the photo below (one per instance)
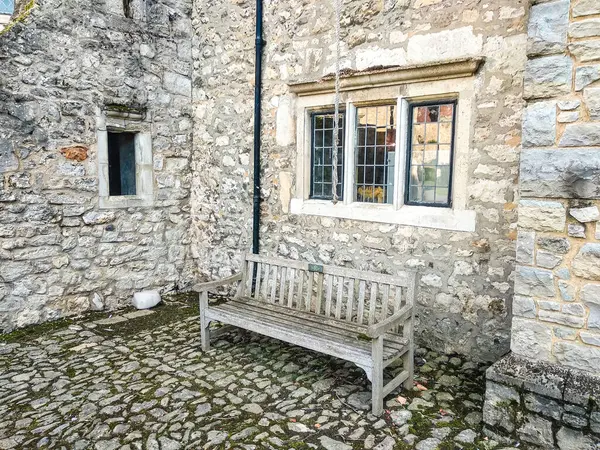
(455, 218)
(144, 171)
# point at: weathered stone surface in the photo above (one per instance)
(585, 215)
(586, 263)
(534, 282)
(586, 8)
(567, 291)
(542, 215)
(568, 116)
(547, 260)
(581, 357)
(537, 430)
(562, 319)
(592, 101)
(590, 338)
(569, 439)
(498, 407)
(586, 51)
(524, 307)
(525, 247)
(576, 230)
(445, 45)
(547, 29)
(544, 406)
(586, 75)
(590, 295)
(572, 173)
(585, 28)
(531, 339)
(569, 105)
(555, 245)
(98, 218)
(579, 134)
(539, 124)
(8, 159)
(548, 76)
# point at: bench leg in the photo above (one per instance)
(204, 323)
(408, 360)
(377, 377)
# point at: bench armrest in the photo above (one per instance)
(379, 329)
(203, 287)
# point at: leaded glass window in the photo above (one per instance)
(430, 154)
(375, 154)
(323, 143)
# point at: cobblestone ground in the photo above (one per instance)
(141, 382)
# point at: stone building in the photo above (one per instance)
(73, 87)
(469, 152)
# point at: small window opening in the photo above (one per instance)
(127, 9)
(7, 7)
(121, 164)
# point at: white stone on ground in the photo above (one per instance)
(146, 299)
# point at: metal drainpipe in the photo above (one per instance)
(257, 125)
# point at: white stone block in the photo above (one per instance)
(146, 299)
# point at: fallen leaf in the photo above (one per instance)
(421, 387)
(402, 400)
(443, 413)
(317, 425)
(292, 420)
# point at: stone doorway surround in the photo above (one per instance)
(545, 393)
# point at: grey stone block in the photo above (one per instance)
(581, 134)
(500, 403)
(579, 356)
(554, 244)
(547, 29)
(569, 439)
(592, 102)
(585, 215)
(585, 51)
(562, 319)
(533, 282)
(537, 430)
(547, 260)
(8, 159)
(590, 338)
(544, 406)
(542, 215)
(525, 247)
(585, 28)
(576, 230)
(567, 291)
(539, 124)
(548, 77)
(586, 75)
(586, 8)
(568, 173)
(569, 105)
(531, 339)
(586, 263)
(524, 307)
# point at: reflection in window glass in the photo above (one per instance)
(430, 154)
(375, 154)
(322, 156)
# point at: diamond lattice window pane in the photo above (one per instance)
(7, 6)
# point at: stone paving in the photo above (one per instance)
(137, 381)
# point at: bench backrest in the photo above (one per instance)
(352, 295)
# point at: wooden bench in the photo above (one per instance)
(362, 317)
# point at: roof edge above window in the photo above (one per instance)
(389, 76)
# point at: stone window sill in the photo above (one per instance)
(126, 201)
(417, 216)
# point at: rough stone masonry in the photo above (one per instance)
(61, 67)
(189, 68)
(546, 392)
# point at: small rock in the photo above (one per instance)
(466, 436)
(585, 215)
(331, 444)
(146, 299)
(400, 417)
(576, 230)
(428, 444)
(298, 427)
(360, 400)
(387, 444)
(418, 404)
(252, 408)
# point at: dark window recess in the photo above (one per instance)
(127, 9)
(430, 154)
(121, 163)
(323, 143)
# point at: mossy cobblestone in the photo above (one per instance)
(144, 383)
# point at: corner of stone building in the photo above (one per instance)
(545, 393)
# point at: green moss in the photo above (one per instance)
(20, 18)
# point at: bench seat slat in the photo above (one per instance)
(309, 323)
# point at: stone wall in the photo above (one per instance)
(59, 253)
(464, 298)
(546, 392)
(556, 306)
